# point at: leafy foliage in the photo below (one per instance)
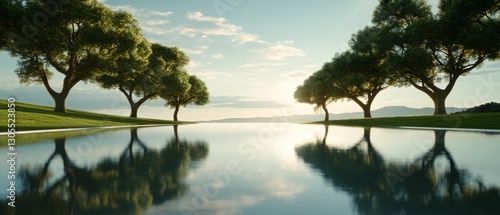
(361, 72)
(431, 49)
(143, 80)
(182, 89)
(82, 41)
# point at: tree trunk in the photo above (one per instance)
(366, 107)
(327, 115)
(437, 94)
(439, 146)
(134, 108)
(60, 102)
(176, 134)
(366, 134)
(439, 103)
(59, 98)
(177, 107)
(366, 111)
(326, 134)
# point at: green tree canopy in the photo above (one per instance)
(9, 14)
(431, 49)
(182, 89)
(316, 90)
(362, 72)
(80, 40)
(143, 80)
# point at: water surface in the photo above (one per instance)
(260, 169)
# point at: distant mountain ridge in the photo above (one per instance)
(388, 111)
(492, 107)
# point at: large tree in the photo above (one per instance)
(183, 89)
(9, 13)
(362, 72)
(144, 80)
(316, 90)
(440, 48)
(80, 40)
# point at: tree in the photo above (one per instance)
(144, 80)
(440, 48)
(182, 90)
(9, 13)
(362, 72)
(81, 41)
(316, 90)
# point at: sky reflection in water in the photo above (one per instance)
(260, 169)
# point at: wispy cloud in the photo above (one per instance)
(198, 16)
(220, 27)
(192, 64)
(243, 102)
(296, 74)
(209, 75)
(249, 65)
(196, 50)
(131, 9)
(280, 52)
(217, 56)
(310, 66)
(157, 22)
(167, 13)
(140, 12)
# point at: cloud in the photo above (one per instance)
(295, 74)
(192, 64)
(201, 26)
(219, 27)
(8, 83)
(196, 50)
(284, 189)
(310, 66)
(280, 52)
(492, 67)
(198, 16)
(217, 56)
(182, 30)
(261, 65)
(131, 9)
(140, 12)
(243, 102)
(209, 75)
(157, 22)
(167, 13)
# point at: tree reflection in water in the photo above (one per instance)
(380, 186)
(125, 185)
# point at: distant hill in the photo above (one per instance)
(382, 112)
(492, 107)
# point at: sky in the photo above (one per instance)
(252, 54)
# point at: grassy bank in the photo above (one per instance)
(34, 117)
(477, 121)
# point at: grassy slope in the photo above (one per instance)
(34, 117)
(479, 121)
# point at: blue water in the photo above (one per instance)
(259, 169)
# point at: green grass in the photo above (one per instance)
(477, 121)
(34, 117)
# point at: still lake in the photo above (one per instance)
(267, 168)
